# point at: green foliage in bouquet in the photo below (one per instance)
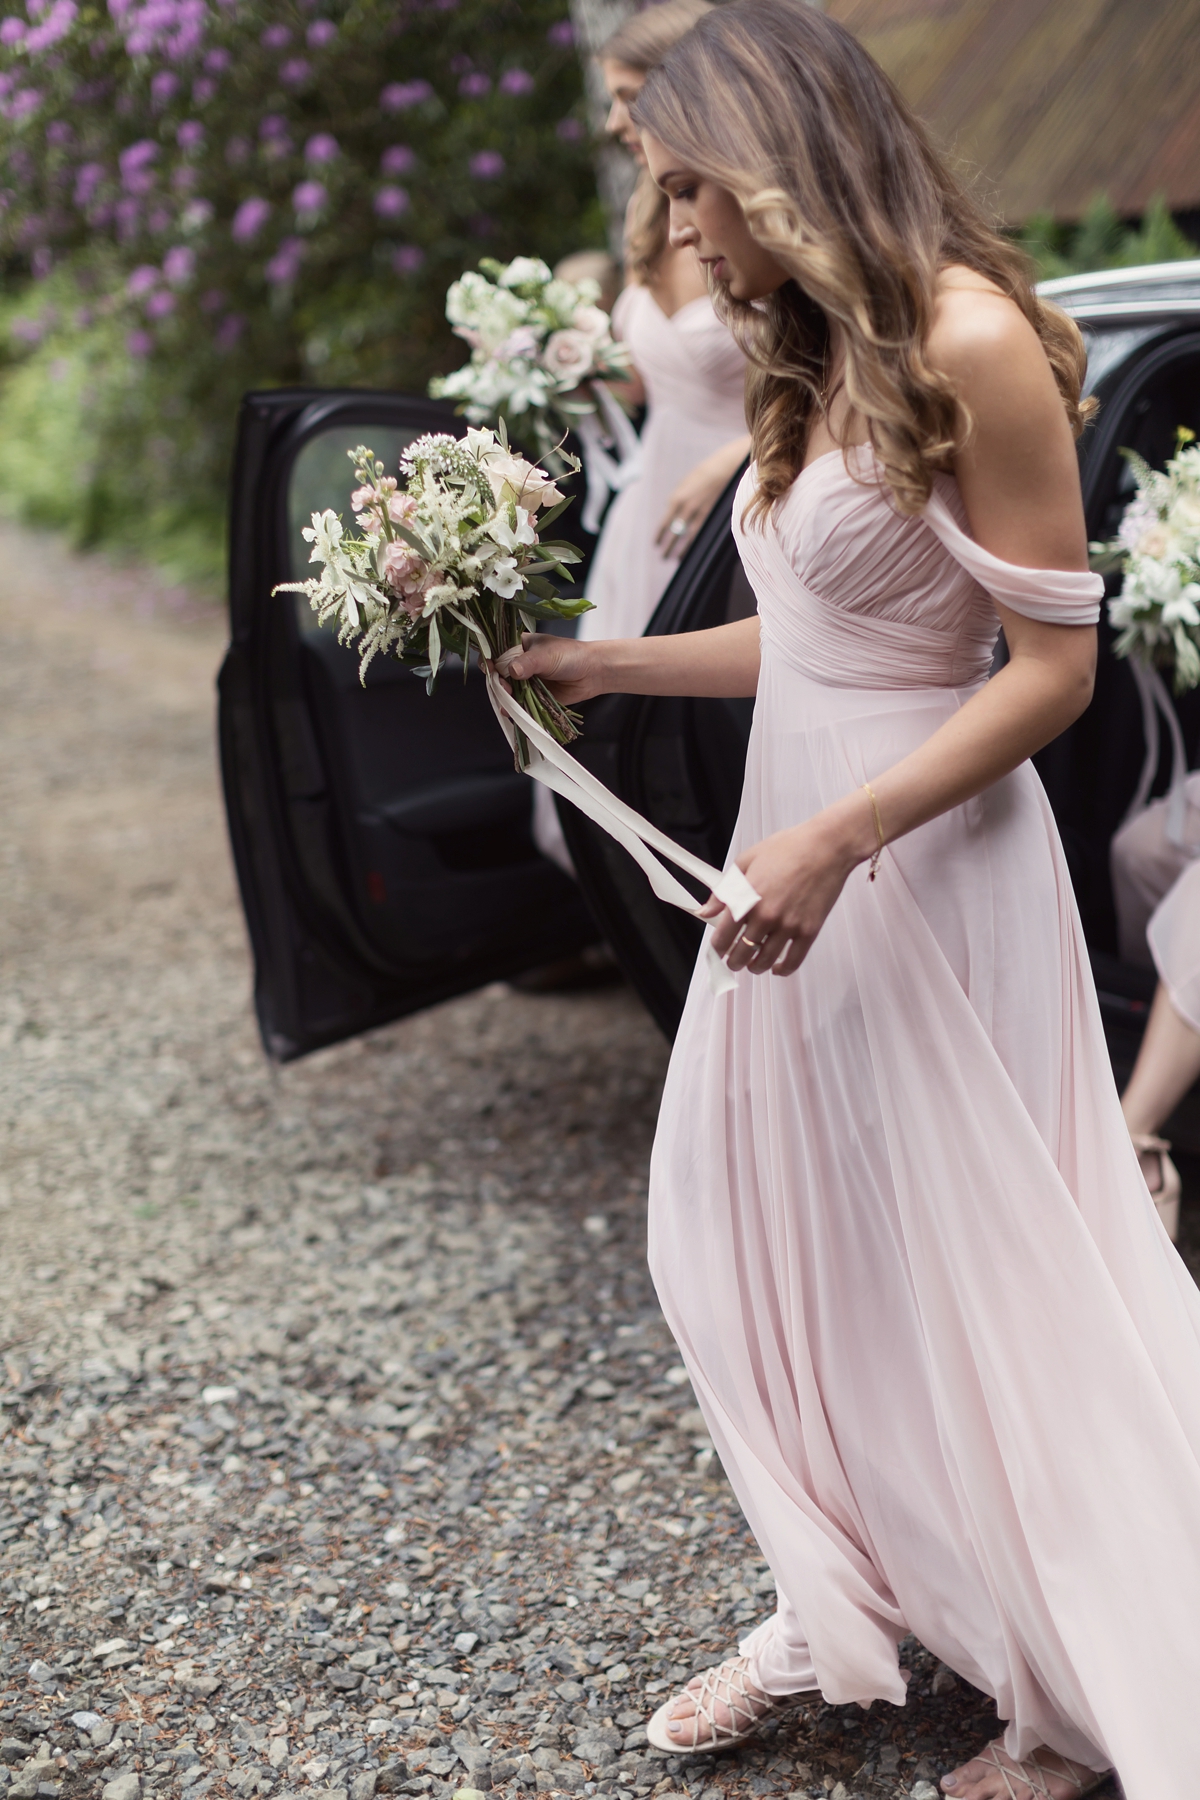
(205, 196)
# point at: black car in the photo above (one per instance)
(382, 838)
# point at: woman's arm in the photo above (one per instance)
(1020, 483)
(721, 662)
(697, 494)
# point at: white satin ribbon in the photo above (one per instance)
(550, 763)
(606, 474)
(1155, 700)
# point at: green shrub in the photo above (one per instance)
(1103, 241)
(205, 196)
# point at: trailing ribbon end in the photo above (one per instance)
(550, 764)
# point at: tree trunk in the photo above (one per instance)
(594, 22)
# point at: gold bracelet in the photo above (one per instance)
(874, 864)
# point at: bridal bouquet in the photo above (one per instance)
(451, 562)
(541, 351)
(1158, 545)
(536, 342)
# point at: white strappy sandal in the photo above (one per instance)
(725, 1685)
(1034, 1774)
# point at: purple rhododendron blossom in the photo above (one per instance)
(203, 90)
(562, 33)
(475, 85)
(171, 28)
(516, 81)
(11, 32)
(59, 132)
(217, 61)
(128, 215)
(321, 32)
(398, 96)
(249, 219)
(84, 317)
(23, 103)
(88, 177)
(323, 147)
(309, 196)
(391, 202)
(295, 72)
(179, 264)
(160, 304)
(41, 262)
(284, 266)
(142, 281)
(569, 130)
(276, 37)
(137, 156)
(397, 159)
(160, 220)
(163, 87)
(485, 165)
(55, 24)
(28, 331)
(408, 259)
(139, 343)
(212, 300)
(190, 134)
(237, 150)
(229, 331)
(273, 125)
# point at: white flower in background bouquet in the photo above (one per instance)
(451, 562)
(1158, 545)
(1157, 612)
(541, 350)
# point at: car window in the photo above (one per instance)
(322, 477)
(1107, 349)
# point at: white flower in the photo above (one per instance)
(510, 538)
(525, 271)
(511, 478)
(325, 535)
(504, 578)
(568, 356)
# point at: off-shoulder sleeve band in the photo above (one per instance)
(1053, 596)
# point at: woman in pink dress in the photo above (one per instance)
(946, 1352)
(687, 369)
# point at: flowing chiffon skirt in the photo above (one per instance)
(946, 1352)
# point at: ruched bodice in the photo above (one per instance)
(688, 362)
(854, 594)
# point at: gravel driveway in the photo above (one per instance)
(343, 1448)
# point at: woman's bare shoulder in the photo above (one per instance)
(983, 342)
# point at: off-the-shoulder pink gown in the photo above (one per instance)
(946, 1352)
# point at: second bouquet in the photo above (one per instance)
(453, 562)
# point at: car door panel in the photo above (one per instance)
(381, 836)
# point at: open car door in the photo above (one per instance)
(382, 838)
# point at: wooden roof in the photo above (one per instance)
(1052, 101)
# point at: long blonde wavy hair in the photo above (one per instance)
(641, 43)
(782, 106)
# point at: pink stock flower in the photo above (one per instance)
(409, 575)
(249, 219)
